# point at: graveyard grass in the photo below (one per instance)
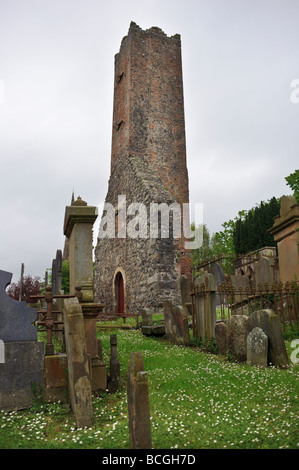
(197, 400)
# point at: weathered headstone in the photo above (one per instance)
(220, 337)
(138, 404)
(240, 282)
(114, 366)
(205, 305)
(168, 313)
(176, 323)
(147, 317)
(236, 337)
(219, 277)
(270, 324)
(257, 348)
(185, 292)
(22, 358)
(79, 376)
(264, 271)
(180, 325)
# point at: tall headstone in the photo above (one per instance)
(205, 306)
(138, 404)
(114, 365)
(236, 337)
(22, 358)
(79, 374)
(220, 338)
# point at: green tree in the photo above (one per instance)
(205, 252)
(65, 277)
(293, 182)
(251, 232)
(223, 241)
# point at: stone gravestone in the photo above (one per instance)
(148, 327)
(22, 361)
(79, 375)
(56, 272)
(236, 337)
(257, 347)
(220, 338)
(205, 306)
(264, 271)
(185, 292)
(138, 404)
(114, 366)
(219, 277)
(270, 324)
(176, 323)
(181, 326)
(167, 309)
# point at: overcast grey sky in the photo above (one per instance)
(56, 97)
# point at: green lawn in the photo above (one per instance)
(197, 400)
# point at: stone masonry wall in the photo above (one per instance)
(148, 164)
(149, 265)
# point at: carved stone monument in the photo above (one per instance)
(285, 232)
(78, 228)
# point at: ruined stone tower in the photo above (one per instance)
(148, 165)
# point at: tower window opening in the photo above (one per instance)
(119, 125)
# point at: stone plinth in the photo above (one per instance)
(285, 232)
(56, 379)
(91, 311)
(21, 375)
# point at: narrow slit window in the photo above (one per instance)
(120, 77)
(119, 125)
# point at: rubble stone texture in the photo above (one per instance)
(148, 164)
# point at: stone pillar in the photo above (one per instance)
(114, 365)
(78, 227)
(285, 232)
(138, 404)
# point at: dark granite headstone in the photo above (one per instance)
(16, 320)
(22, 356)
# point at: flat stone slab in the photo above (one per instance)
(153, 330)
